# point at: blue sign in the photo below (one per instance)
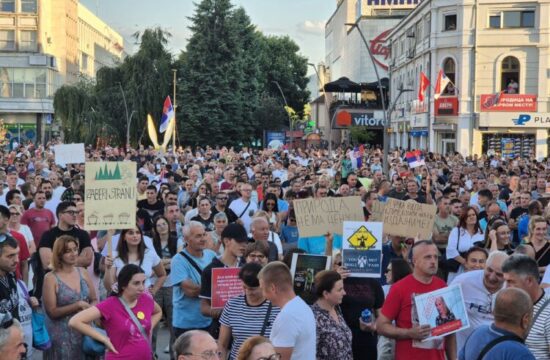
(275, 139)
(363, 262)
(522, 119)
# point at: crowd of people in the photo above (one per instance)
(106, 293)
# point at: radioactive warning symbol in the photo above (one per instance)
(362, 239)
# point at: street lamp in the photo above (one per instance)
(128, 118)
(326, 107)
(286, 105)
(383, 98)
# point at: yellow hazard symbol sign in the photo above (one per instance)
(362, 239)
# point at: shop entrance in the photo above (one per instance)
(448, 146)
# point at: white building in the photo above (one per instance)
(496, 53)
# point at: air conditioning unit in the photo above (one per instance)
(410, 33)
(410, 53)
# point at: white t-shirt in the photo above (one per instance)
(478, 302)
(150, 260)
(26, 232)
(295, 328)
(146, 240)
(238, 206)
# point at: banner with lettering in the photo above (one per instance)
(225, 285)
(362, 248)
(408, 218)
(111, 195)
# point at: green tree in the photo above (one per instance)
(361, 134)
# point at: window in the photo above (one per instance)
(27, 83)
(7, 5)
(512, 19)
(510, 75)
(449, 68)
(27, 41)
(28, 6)
(7, 40)
(84, 63)
(450, 22)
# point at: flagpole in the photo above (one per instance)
(175, 124)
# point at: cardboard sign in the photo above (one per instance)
(362, 248)
(225, 285)
(303, 268)
(443, 310)
(69, 154)
(111, 195)
(318, 216)
(377, 211)
(408, 218)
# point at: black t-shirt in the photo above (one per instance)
(361, 294)
(231, 216)
(206, 278)
(9, 298)
(208, 223)
(47, 240)
(152, 209)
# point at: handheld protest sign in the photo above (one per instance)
(225, 285)
(362, 248)
(408, 218)
(303, 269)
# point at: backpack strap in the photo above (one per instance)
(497, 341)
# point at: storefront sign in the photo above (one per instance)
(419, 120)
(508, 103)
(418, 107)
(419, 133)
(446, 106)
(516, 120)
(346, 119)
(380, 48)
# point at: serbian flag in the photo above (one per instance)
(424, 83)
(415, 158)
(356, 157)
(167, 114)
(441, 84)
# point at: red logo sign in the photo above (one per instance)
(508, 103)
(446, 106)
(379, 47)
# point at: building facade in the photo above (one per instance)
(496, 56)
(45, 44)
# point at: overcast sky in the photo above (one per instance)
(302, 20)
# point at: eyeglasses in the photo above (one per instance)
(259, 257)
(71, 212)
(14, 213)
(222, 198)
(275, 356)
(207, 355)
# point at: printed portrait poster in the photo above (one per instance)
(225, 285)
(443, 310)
(304, 267)
(362, 248)
(110, 196)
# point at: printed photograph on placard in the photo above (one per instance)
(303, 269)
(443, 310)
(362, 248)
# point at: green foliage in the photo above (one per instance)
(361, 134)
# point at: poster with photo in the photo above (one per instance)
(304, 267)
(443, 310)
(362, 248)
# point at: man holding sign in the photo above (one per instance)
(399, 307)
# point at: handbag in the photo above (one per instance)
(91, 346)
(40, 337)
(451, 265)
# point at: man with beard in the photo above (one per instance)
(38, 219)
(51, 203)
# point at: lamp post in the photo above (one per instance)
(286, 105)
(382, 97)
(128, 118)
(326, 107)
(174, 71)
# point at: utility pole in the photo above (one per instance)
(289, 118)
(127, 117)
(174, 71)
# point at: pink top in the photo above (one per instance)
(124, 334)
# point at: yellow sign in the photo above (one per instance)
(362, 239)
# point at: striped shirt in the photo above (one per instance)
(538, 340)
(246, 321)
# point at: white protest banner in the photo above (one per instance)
(318, 216)
(111, 195)
(443, 310)
(69, 154)
(362, 248)
(408, 218)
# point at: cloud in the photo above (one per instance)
(312, 27)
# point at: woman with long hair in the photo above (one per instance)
(15, 224)
(131, 250)
(270, 206)
(462, 238)
(538, 238)
(497, 237)
(333, 334)
(127, 318)
(165, 245)
(214, 237)
(67, 290)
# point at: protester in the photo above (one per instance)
(503, 339)
(12, 345)
(128, 318)
(498, 237)
(293, 333)
(476, 258)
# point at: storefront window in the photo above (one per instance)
(508, 145)
(510, 75)
(449, 68)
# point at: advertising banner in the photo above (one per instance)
(508, 102)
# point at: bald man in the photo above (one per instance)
(399, 307)
(195, 344)
(504, 338)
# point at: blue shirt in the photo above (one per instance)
(506, 350)
(523, 227)
(316, 244)
(186, 310)
(289, 234)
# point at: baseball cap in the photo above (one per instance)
(236, 232)
(11, 169)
